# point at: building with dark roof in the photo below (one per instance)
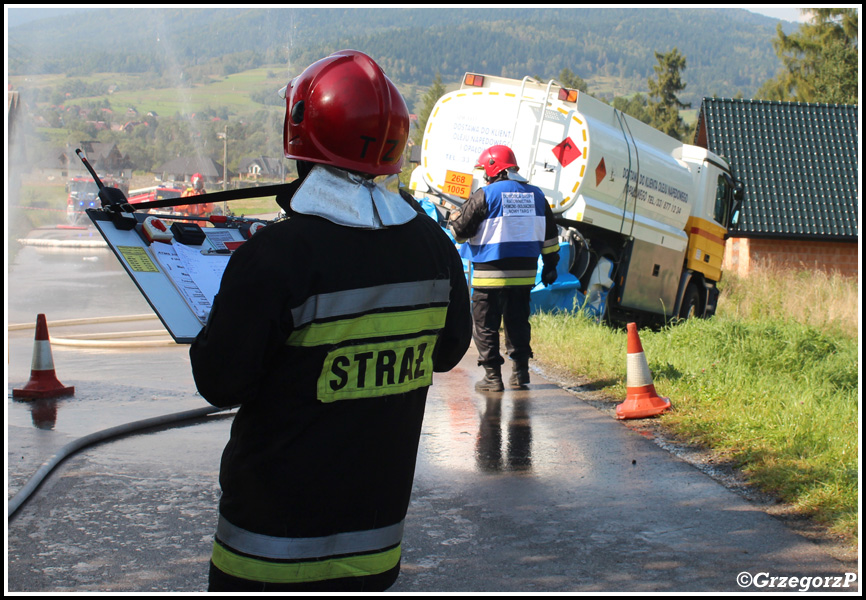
(799, 165)
(262, 167)
(183, 168)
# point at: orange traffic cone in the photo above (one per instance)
(43, 382)
(641, 398)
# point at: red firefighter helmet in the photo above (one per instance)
(344, 112)
(197, 181)
(496, 159)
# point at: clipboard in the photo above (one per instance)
(179, 281)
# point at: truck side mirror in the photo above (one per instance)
(736, 194)
(735, 218)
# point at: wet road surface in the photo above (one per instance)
(525, 491)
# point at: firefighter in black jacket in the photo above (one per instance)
(326, 330)
(508, 224)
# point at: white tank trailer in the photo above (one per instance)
(643, 217)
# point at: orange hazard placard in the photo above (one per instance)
(458, 184)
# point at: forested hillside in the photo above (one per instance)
(729, 51)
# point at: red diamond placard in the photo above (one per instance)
(600, 172)
(566, 152)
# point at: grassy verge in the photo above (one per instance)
(770, 384)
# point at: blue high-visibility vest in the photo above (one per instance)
(515, 225)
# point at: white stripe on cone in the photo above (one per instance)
(637, 373)
(42, 359)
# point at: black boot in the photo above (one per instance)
(492, 381)
(520, 374)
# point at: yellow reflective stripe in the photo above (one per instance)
(298, 572)
(549, 249)
(484, 282)
(369, 326)
(377, 369)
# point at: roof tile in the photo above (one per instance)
(798, 163)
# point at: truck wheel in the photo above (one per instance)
(691, 305)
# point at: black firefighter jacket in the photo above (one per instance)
(327, 337)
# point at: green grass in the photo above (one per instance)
(231, 91)
(767, 385)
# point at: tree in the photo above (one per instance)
(571, 81)
(820, 59)
(664, 107)
(428, 101)
(635, 106)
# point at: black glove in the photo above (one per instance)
(548, 274)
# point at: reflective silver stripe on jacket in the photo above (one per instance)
(280, 548)
(363, 300)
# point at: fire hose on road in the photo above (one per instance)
(101, 340)
(160, 422)
(164, 421)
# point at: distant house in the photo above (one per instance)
(181, 169)
(799, 165)
(262, 167)
(128, 126)
(104, 157)
(99, 125)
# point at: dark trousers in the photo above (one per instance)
(492, 307)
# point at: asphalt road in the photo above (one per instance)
(525, 491)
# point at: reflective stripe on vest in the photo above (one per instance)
(528, 231)
(485, 278)
(394, 330)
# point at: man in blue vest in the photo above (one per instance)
(327, 329)
(506, 225)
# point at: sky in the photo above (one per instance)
(20, 13)
(777, 11)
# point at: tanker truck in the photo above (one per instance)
(643, 217)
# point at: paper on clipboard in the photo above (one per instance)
(206, 271)
(196, 276)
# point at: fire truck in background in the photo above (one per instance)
(643, 217)
(82, 194)
(169, 192)
(154, 193)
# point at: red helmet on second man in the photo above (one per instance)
(496, 159)
(344, 112)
